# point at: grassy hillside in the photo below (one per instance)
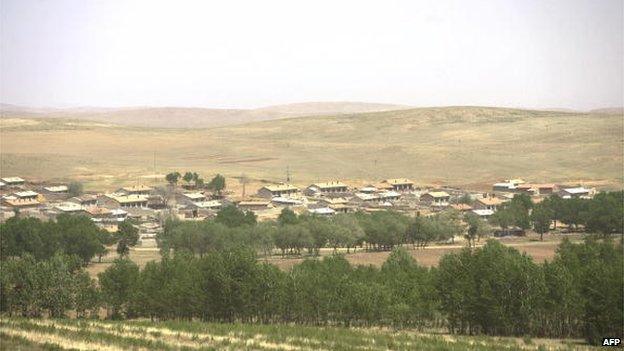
(179, 117)
(35, 334)
(469, 146)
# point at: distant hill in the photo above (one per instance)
(467, 146)
(181, 117)
(609, 111)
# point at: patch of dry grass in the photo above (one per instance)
(456, 146)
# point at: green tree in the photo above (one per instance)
(541, 217)
(173, 177)
(74, 189)
(118, 285)
(287, 216)
(188, 177)
(217, 184)
(234, 217)
(127, 236)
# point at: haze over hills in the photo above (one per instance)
(184, 117)
(450, 145)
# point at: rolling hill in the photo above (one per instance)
(463, 146)
(181, 117)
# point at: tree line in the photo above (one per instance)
(603, 214)
(68, 234)
(492, 290)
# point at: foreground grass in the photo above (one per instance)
(40, 334)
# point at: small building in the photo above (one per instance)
(57, 189)
(86, 200)
(323, 211)
(136, 190)
(194, 197)
(363, 197)
(68, 207)
(400, 184)
(487, 203)
(483, 213)
(545, 189)
(326, 188)
(20, 199)
(368, 189)
(526, 189)
(578, 192)
(463, 208)
(207, 205)
(436, 198)
(254, 205)
(277, 190)
(504, 186)
(13, 181)
(123, 200)
(332, 201)
(286, 201)
(388, 195)
(97, 212)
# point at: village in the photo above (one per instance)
(192, 201)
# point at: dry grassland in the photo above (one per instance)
(463, 146)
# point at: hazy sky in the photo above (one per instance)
(520, 53)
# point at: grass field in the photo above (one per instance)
(31, 334)
(463, 146)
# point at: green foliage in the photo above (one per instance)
(541, 217)
(173, 177)
(74, 189)
(217, 184)
(287, 216)
(127, 236)
(231, 216)
(119, 286)
(71, 234)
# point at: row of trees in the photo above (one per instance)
(492, 290)
(216, 184)
(292, 233)
(602, 214)
(69, 234)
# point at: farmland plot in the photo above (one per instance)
(39, 334)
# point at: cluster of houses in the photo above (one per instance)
(150, 205)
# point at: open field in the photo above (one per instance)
(463, 146)
(32, 334)
(429, 256)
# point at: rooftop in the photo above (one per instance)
(9, 180)
(207, 204)
(136, 188)
(126, 199)
(194, 196)
(57, 189)
(27, 193)
(280, 187)
(398, 181)
(330, 185)
(490, 201)
(68, 207)
(483, 212)
(97, 211)
(322, 211)
(438, 194)
(577, 190)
